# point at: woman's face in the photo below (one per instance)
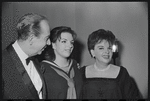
(64, 45)
(102, 52)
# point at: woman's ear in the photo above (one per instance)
(92, 53)
(53, 45)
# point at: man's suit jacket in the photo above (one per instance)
(16, 83)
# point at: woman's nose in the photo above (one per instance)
(106, 50)
(70, 44)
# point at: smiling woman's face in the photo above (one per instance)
(63, 47)
(102, 52)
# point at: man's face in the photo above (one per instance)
(40, 42)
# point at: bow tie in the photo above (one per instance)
(29, 59)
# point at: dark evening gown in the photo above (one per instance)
(121, 87)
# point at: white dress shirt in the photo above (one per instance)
(30, 68)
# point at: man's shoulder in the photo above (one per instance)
(5, 50)
(6, 57)
(5, 54)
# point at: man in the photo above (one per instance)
(22, 80)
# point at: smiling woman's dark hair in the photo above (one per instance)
(99, 35)
(56, 33)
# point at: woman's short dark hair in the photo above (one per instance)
(99, 35)
(56, 33)
(29, 23)
(54, 36)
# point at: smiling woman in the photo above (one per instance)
(62, 75)
(103, 80)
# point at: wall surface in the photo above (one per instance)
(127, 20)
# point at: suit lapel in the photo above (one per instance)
(19, 66)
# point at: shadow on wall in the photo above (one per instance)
(78, 51)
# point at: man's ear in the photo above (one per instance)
(31, 39)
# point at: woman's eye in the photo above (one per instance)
(101, 48)
(63, 41)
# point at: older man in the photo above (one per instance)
(22, 78)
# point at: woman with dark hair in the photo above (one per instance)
(62, 75)
(103, 80)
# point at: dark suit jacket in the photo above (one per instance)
(16, 83)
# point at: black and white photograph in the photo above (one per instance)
(74, 50)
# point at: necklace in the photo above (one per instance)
(102, 69)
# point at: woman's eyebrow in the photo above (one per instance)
(63, 38)
(100, 46)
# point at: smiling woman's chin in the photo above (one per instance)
(67, 55)
(106, 60)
